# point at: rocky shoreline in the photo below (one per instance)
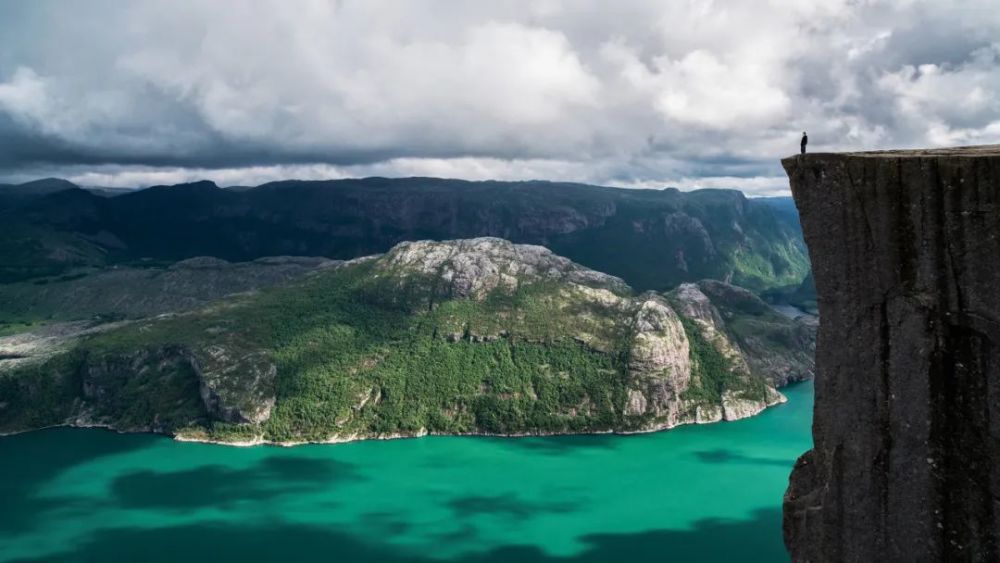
(778, 400)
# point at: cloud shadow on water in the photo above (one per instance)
(559, 445)
(729, 456)
(32, 460)
(755, 539)
(508, 505)
(216, 485)
(387, 524)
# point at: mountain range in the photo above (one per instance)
(653, 239)
(326, 311)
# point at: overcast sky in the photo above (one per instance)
(632, 93)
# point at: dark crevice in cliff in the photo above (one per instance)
(953, 274)
(884, 460)
(907, 256)
(843, 537)
(861, 205)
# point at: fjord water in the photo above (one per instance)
(697, 493)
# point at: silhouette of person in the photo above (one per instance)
(805, 141)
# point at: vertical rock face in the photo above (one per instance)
(905, 247)
(660, 359)
(236, 387)
(695, 305)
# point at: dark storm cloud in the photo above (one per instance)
(636, 93)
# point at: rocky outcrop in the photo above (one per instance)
(149, 388)
(736, 407)
(473, 268)
(109, 385)
(906, 461)
(663, 361)
(236, 387)
(695, 305)
(772, 345)
(232, 387)
(36, 346)
(659, 362)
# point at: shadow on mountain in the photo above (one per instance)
(46, 454)
(507, 506)
(216, 485)
(708, 541)
(729, 456)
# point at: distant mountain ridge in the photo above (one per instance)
(653, 239)
(12, 195)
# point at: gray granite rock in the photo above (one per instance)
(906, 462)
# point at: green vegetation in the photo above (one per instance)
(14, 326)
(34, 251)
(356, 355)
(396, 372)
(39, 395)
(712, 374)
(776, 264)
(366, 349)
(163, 394)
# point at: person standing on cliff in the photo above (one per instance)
(805, 141)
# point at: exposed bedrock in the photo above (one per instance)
(148, 384)
(905, 247)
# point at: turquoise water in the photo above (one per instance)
(706, 493)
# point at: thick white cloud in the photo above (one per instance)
(638, 93)
(25, 98)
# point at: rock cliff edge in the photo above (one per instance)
(905, 247)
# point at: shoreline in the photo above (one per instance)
(423, 432)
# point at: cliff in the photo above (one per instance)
(904, 247)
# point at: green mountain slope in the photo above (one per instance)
(653, 239)
(471, 336)
(29, 251)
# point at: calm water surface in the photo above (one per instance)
(707, 493)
